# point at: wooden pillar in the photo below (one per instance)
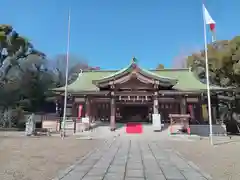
(69, 106)
(112, 114)
(214, 114)
(201, 102)
(94, 111)
(155, 103)
(87, 108)
(75, 110)
(183, 105)
(198, 111)
(217, 108)
(57, 107)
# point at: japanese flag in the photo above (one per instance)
(208, 19)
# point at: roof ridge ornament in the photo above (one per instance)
(134, 63)
(134, 60)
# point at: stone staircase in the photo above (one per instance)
(148, 133)
(102, 131)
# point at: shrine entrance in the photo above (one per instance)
(134, 113)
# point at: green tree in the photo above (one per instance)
(13, 49)
(160, 66)
(224, 62)
(21, 67)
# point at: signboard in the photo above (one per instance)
(52, 125)
(205, 112)
(80, 100)
(85, 120)
(192, 99)
(69, 125)
(156, 120)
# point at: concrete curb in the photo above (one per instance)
(63, 173)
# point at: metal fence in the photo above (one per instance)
(11, 119)
(14, 119)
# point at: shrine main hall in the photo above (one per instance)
(133, 94)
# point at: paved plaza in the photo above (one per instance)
(133, 159)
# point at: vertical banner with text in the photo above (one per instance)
(80, 107)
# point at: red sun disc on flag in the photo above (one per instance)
(212, 26)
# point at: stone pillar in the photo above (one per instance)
(113, 114)
(155, 103)
(183, 105)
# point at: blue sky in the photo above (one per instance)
(108, 33)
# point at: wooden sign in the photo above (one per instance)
(192, 99)
(79, 99)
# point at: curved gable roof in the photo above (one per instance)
(130, 68)
(186, 80)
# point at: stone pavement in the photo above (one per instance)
(134, 159)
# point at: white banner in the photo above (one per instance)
(156, 120)
(85, 120)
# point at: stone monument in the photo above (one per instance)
(30, 125)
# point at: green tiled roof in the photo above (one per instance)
(186, 80)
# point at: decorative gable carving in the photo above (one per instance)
(134, 72)
(134, 84)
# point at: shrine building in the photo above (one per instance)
(133, 93)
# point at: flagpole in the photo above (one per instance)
(207, 77)
(66, 75)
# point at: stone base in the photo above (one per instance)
(204, 130)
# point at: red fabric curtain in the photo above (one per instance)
(80, 107)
